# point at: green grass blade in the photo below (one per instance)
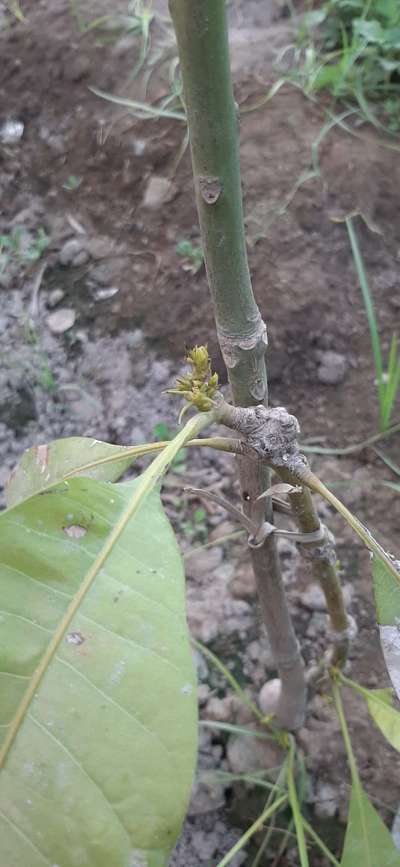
(269, 811)
(320, 843)
(355, 447)
(229, 677)
(295, 806)
(369, 309)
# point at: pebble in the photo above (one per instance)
(246, 754)
(161, 372)
(11, 132)
(73, 253)
(61, 320)
(17, 400)
(158, 191)
(269, 696)
(332, 367)
(54, 297)
(317, 626)
(313, 597)
(101, 247)
(219, 709)
(203, 563)
(327, 799)
(203, 693)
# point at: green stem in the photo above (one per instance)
(294, 803)
(370, 311)
(201, 30)
(269, 811)
(202, 37)
(337, 698)
(324, 569)
(320, 843)
(229, 677)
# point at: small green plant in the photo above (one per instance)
(14, 7)
(192, 255)
(72, 183)
(352, 48)
(387, 377)
(14, 246)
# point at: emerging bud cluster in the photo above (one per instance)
(200, 385)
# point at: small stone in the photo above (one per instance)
(205, 844)
(136, 339)
(61, 320)
(103, 293)
(246, 754)
(54, 297)
(4, 476)
(17, 400)
(243, 585)
(203, 693)
(137, 436)
(225, 528)
(203, 563)
(332, 367)
(261, 653)
(313, 597)
(207, 796)
(161, 371)
(101, 247)
(269, 696)
(318, 625)
(327, 799)
(201, 665)
(11, 132)
(73, 253)
(159, 190)
(219, 709)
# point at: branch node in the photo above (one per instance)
(210, 189)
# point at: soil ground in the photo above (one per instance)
(135, 307)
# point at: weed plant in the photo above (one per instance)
(352, 48)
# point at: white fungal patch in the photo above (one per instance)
(187, 689)
(137, 858)
(75, 638)
(118, 671)
(75, 531)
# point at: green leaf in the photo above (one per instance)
(387, 597)
(97, 689)
(42, 466)
(386, 717)
(368, 842)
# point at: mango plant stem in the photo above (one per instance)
(322, 556)
(202, 37)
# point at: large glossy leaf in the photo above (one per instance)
(42, 466)
(98, 719)
(368, 842)
(386, 717)
(387, 597)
